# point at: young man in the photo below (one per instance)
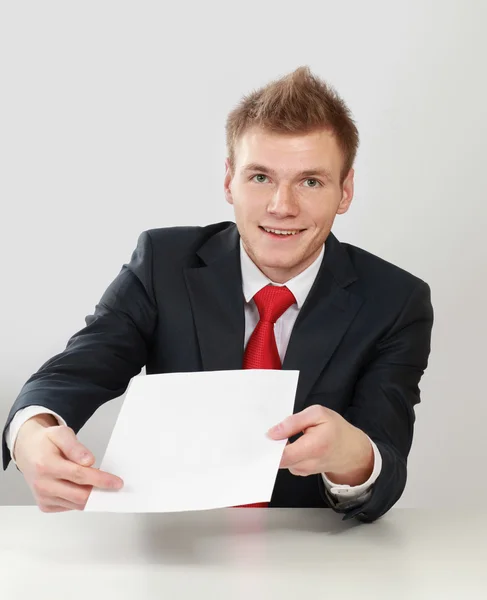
(275, 290)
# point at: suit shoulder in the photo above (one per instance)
(380, 272)
(183, 240)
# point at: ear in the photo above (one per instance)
(227, 182)
(347, 193)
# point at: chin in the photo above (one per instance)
(277, 262)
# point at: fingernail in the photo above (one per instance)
(85, 458)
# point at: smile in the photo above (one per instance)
(281, 232)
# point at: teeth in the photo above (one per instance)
(290, 232)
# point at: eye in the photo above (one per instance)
(316, 181)
(259, 175)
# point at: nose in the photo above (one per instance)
(283, 203)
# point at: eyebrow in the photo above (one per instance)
(308, 173)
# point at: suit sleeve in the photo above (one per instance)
(384, 399)
(99, 360)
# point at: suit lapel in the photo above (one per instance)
(217, 301)
(323, 320)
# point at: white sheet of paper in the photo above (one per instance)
(196, 441)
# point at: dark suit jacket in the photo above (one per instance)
(361, 343)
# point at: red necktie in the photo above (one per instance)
(261, 351)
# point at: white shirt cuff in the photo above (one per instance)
(20, 417)
(352, 492)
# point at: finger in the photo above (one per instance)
(65, 439)
(64, 469)
(313, 415)
(74, 495)
(306, 448)
(305, 468)
(63, 503)
(52, 508)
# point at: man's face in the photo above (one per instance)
(287, 183)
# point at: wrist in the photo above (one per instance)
(351, 478)
(34, 423)
(44, 419)
(359, 471)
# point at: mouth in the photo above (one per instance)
(281, 234)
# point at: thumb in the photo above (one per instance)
(65, 439)
(299, 422)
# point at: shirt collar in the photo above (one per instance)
(253, 280)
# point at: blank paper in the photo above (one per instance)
(195, 441)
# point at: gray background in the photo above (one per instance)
(112, 121)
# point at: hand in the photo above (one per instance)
(57, 467)
(329, 445)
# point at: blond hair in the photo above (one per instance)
(296, 103)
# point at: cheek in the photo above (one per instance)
(240, 212)
(249, 208)
(322, 218)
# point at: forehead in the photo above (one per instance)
(288, 152)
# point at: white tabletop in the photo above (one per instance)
(242, 554)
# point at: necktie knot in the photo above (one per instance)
(272, 301)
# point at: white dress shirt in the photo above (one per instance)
(253, 280)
